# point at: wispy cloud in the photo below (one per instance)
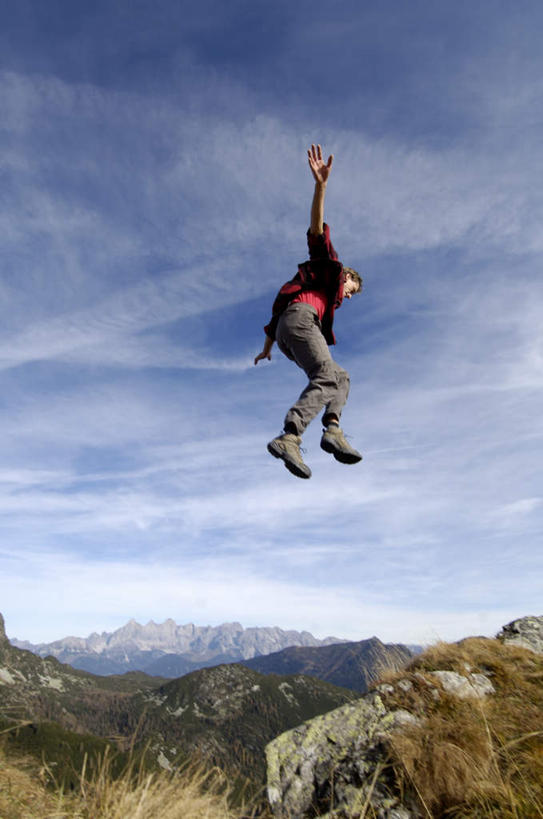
(147, 589)
(142, 236)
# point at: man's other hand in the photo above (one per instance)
(261, 356)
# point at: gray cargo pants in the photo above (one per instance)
(299, 337)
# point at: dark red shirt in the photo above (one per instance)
(324, 272)
(316, 298)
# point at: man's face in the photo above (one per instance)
(350, 286)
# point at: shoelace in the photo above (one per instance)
(302, 449)
(346, 438)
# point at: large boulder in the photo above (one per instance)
(334, 765)
(527, 632)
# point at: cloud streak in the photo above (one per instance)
(144, 235)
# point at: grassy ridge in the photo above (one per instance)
(474, 757)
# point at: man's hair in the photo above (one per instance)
(354, 276)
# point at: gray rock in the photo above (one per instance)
(334, 764)
(527, 632)
(474, 685)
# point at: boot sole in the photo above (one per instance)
(277, 452)
(339, 455)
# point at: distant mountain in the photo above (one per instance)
(224, 715)
(169, 649)
(349, 665)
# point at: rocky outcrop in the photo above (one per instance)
(527, 632)
(337, 766)
(334, 765)
(464, 686)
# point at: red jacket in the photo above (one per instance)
(323, 271)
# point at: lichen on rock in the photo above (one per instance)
(334, 764)
(473, 685)
(340, 765)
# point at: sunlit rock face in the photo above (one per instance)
(527, 632)
(336, 760)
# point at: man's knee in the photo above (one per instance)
(343, 376)
(324, 370)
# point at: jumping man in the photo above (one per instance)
(303, 314)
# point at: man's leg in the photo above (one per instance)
(300, 338)
(333, 439)
(332, 411)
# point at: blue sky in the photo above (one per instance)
(155, 194)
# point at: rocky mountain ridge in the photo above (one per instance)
(353, 665)
(154, 647)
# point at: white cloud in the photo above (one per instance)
(385, 198)
(105, 325)
(154, 591)
(446, 409)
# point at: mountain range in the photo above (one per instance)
(224, 715)
(168, 649)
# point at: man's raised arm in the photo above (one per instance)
(321, 171)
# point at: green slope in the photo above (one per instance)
(224, 715)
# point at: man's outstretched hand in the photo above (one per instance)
(319, 168)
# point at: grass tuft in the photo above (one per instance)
(473, 757)
(195, 793)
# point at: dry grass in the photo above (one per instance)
(22, 795)
(474, 758)
(192, 794)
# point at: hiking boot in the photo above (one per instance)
(287, 447)
(333, 440)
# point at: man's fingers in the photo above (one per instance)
(262, 356)
(314, 156)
